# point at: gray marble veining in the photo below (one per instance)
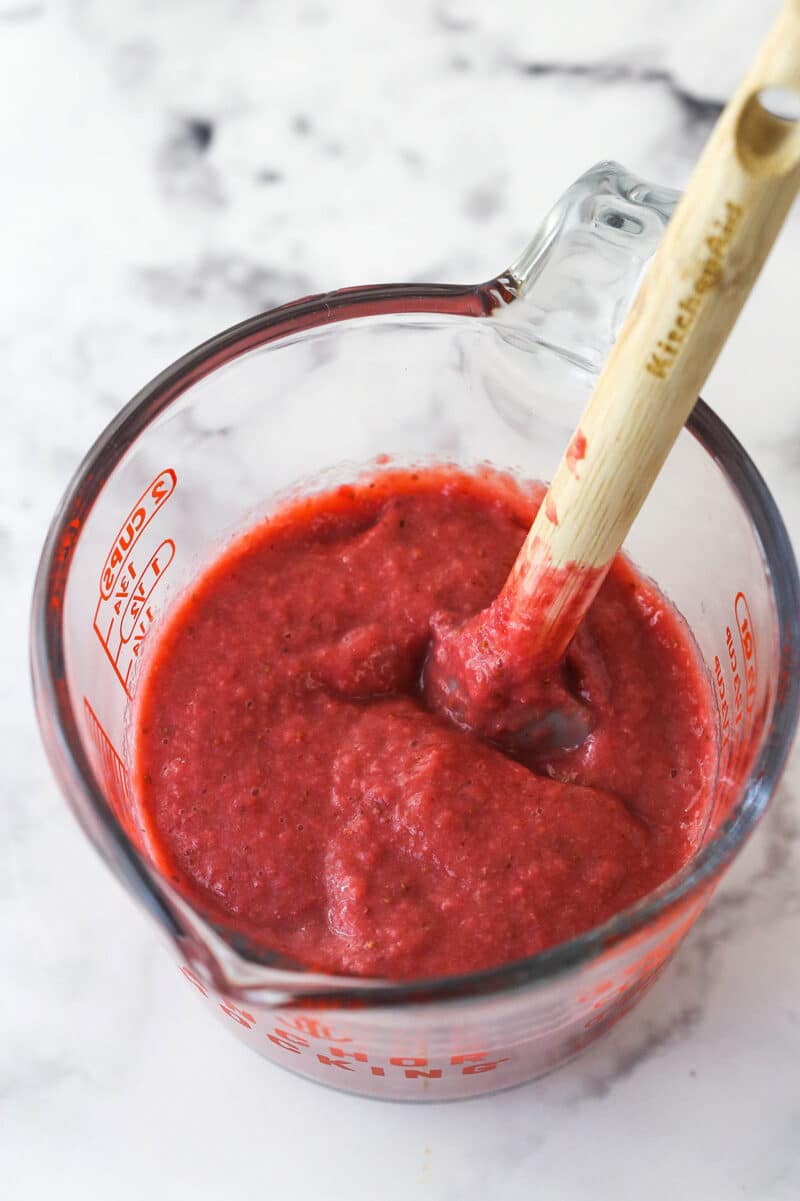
(169, 169)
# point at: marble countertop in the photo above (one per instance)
(170, 167)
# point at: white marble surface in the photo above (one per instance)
(169, 167)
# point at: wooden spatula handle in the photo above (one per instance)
(711, 253)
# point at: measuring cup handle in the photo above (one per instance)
(575, 280)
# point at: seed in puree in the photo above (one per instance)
(296, 789)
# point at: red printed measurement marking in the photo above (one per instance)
(238, 1015)
(736, 703)
(336, 1055)
(193, 979)
(313, 1027)
(123, 615)
(112, 773)
(744, 624)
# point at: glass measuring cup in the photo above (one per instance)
(304, 397)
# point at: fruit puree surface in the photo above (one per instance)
(296, 789)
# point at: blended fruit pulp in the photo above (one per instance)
(295, 788)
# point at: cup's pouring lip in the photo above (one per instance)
(59, 725)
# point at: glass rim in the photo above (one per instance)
(58, 720)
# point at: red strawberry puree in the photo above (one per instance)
(296, 789)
